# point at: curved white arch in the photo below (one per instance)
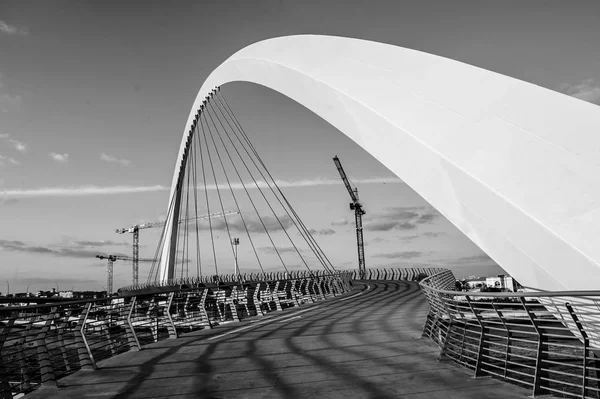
(514, 166)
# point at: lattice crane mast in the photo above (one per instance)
(136, 236)
(356, 206)
(109, 268)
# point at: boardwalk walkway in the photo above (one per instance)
(364, 345)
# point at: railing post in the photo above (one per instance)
(275, 294)
(171, 327)
(86, 358)
(481, 338)
(537, 382)
(450, 325)
(46, 370)
(508, 337)
(203, 307)
(132, 339)
(586, 348)
(5, 391)
(25, 378)
(259, 311)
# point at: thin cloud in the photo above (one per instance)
(112, 159)
(431, 234)
(60, 158)
(588, 90)
(271, 250)
(79, 191)
(470, 260)
(409, 238)
(12, 30)
(105, 243)
(253, 223)
(19, 146)
(401, 255)
(400, 218)
(341, 222)
(8, 160)
(379, 239)
(115, 190)
(322, 232)
(69, 252)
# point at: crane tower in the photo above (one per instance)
(356, 206)
(136, 237)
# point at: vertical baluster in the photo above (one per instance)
(171, 326)
(586, 349)
(48, 378)
(86, 358)
(5, 391)
(542, 340)
(481, 337)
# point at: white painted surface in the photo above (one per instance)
(514, 166)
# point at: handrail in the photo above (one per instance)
(42, 343)
(547, 341)
(526, 294)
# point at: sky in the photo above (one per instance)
(94, 96)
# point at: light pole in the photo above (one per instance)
(7, 288)
(27, 290)
(236, 242)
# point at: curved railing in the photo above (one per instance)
(42, 343)
(546, 341)
(230, 279)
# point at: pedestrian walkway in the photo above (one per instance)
(364, 345)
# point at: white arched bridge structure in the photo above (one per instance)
(510, 164)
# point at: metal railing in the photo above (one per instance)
(43, 343)
(545, 341)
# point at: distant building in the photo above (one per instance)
(66, 294)
(504, 283)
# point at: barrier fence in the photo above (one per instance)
(545, 341)
(42, 343)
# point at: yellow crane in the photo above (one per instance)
(136, 236)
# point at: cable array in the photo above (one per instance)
(225, 189)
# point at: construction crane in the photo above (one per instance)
(109, 268)
(136, 236)
(356, 206)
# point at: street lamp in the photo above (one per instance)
(7, 288)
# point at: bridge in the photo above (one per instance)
(327, 334)
(309, 328)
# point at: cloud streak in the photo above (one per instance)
(4, 160)
(90, 190)
(401, 218)
(60, 158)
(321, 232)
(401, 255)
(68, 252)
(16, 144)
(111, 159)
(588, 90)
(12, 30)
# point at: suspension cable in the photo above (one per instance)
(248, 194)
(212, 239)
(198, 259)
(309, 238)
(235, 199)
(275, 195)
